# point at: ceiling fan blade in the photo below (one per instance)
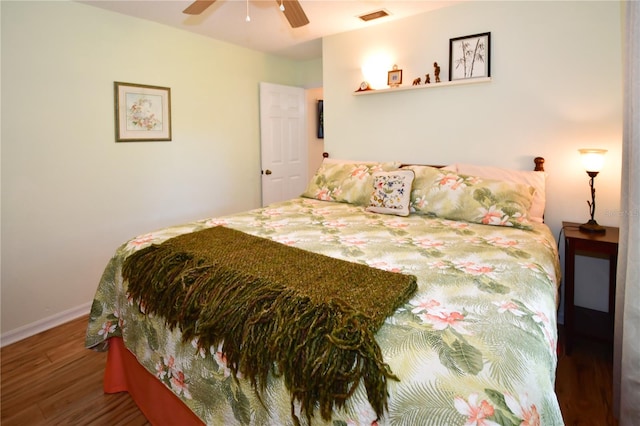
(198, 6)
(294, 13)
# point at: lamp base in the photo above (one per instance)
(592, 227)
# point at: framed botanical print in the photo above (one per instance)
(142, 112)
(469, 57)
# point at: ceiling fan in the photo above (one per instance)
(291, 9)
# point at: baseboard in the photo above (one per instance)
(44, 324)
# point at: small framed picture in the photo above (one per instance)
(394, 77)
(320, 119)
(143, 112)
(469, 56)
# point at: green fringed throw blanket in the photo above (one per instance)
(277, 309)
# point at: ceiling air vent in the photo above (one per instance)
(374, 15)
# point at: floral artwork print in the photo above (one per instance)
(144, 112)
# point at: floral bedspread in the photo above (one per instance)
(475, 346)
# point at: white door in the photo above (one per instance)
(283, 142)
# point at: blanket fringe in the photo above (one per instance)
(322, 350)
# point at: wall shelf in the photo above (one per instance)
(424, 86)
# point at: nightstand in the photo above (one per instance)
(579, 320)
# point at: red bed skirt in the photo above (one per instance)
(159, 405)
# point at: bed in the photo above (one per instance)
(472, 343)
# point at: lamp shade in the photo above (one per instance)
(592, 159)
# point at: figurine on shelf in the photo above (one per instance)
(427, 79)
(416, 82)
(436, 71)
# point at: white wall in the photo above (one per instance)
(70, 194)
(556, 86)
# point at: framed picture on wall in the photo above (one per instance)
(320, 119)
(469, 57)
(142, 112)
(394, 77)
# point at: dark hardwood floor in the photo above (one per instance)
(584, 383)
(50, 379)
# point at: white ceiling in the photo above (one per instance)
(269, 30)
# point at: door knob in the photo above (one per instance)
(268, 172)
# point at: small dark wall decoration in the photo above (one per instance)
(320, 119)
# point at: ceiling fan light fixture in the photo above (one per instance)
(374, 15)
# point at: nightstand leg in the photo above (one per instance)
(613, 266)
(569, 271)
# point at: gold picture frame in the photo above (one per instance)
(142, 112)
(394, 77)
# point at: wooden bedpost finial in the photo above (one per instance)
(539, 164)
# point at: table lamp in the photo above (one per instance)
(592, 160)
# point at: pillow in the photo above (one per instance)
(391, 192)
(527, 177)
(449, 195)
(345, 181)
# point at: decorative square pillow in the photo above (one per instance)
(391, 192)
(345, 181)
(449, 195)
(526, 177)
